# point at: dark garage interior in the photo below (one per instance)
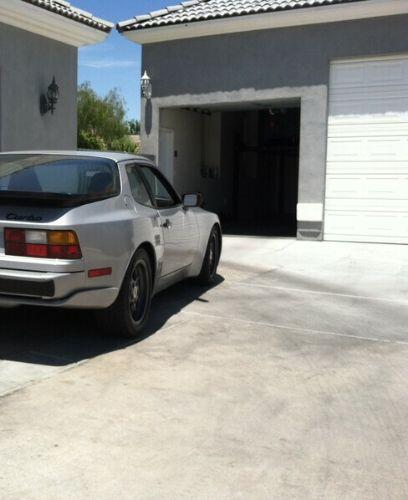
(265, 177)
(245, 161)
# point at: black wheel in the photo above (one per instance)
(127, 317)
(211, 259)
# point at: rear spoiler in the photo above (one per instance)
(58, 200)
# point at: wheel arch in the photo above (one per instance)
(217, 226)
(148, 247)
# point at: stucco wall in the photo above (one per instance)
(263, 66)
(28, 63)
(259, 60)
(187, 127)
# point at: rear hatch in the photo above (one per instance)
(37, 193)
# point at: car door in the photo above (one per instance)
(146, 204)
(180, 228)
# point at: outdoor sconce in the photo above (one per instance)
(146, 85)
(48, 102)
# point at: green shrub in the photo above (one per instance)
(87, 140)
(124, 144)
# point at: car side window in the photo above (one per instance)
(163, 193)
(137, 186)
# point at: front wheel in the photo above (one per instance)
(128, 316)
(211, 259)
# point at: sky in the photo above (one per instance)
(115, 62)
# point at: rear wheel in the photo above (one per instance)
(211, 259)
(128, 316)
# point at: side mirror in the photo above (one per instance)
(191, 200)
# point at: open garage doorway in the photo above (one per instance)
(245, 160)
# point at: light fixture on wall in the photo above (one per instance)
(48, 102)
(146, 85)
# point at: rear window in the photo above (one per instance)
(68, 178)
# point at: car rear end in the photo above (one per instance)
(55, 236)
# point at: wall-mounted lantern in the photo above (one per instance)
(48, 102)
(146, 85)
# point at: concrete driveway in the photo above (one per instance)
(286, 380)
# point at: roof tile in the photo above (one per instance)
(201, 10)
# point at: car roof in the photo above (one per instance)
(109, 155)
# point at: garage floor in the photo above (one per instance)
(286, 380)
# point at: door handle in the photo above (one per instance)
(167, 224)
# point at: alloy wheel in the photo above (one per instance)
(138, 293)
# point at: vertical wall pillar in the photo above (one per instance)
(312, 164)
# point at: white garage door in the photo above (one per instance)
(367, 157)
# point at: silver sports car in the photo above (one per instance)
(102, 231)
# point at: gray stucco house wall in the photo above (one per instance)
(28, 63)
(39, 41)
(263, 60)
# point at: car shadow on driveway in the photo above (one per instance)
(55, 337)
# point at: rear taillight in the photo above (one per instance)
(42, 244)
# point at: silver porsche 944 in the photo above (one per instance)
(103, 231)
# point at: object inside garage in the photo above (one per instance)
(244, 159)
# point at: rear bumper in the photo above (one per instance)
(34, 288)
(70, 290)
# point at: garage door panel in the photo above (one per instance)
(389, 126)
(368, 91)
(368, 239)
(372, 104)
(369, 87)
(370, 186)
(367, 152)
(368, 149)
(365, 73)
(362, 205)
(367, 226)
(366, 167)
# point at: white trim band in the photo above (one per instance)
(48, 24)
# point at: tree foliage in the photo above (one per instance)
(101, 121)
(134, 127)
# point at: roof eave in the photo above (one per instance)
(49, 24)
(278, 19)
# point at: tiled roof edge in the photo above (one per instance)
(65, 9)
(156, 19)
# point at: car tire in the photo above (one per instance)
(208, 272)
(128, 316)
